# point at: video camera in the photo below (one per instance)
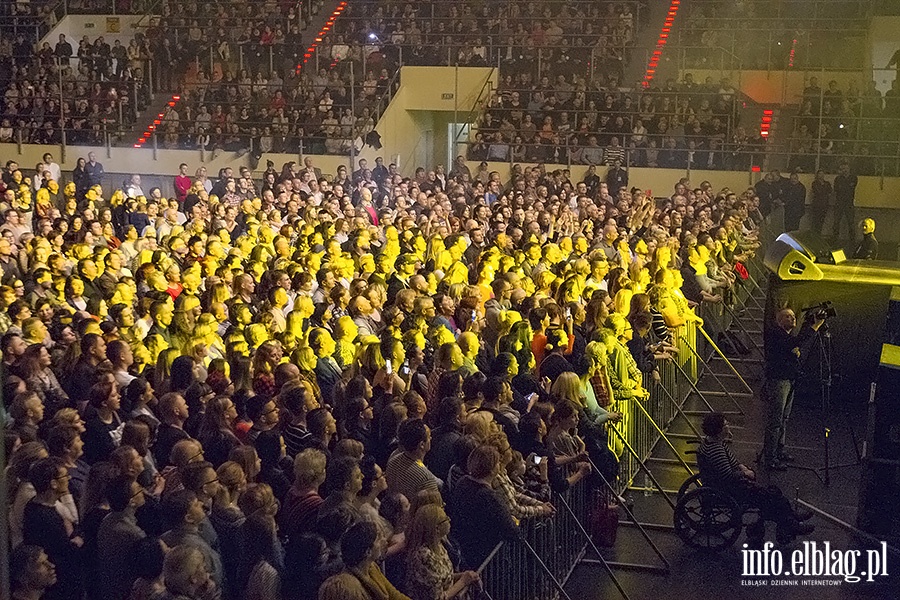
(825, 310)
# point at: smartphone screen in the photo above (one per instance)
(388, 367)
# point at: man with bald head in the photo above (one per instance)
(785, 353)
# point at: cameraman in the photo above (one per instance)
(785, 352)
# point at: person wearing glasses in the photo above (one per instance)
(200, 478)
(44, 527)
(118, 536)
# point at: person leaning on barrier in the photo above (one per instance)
(784, 354)
(482, 519)
(720, 469)
(430, 572)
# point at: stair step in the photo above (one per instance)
(726, 394)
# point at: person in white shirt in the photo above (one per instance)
(133, 189)
(53, 167)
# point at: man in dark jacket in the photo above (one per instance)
(768, 191)
(616, 178)
(785, 352)
(328, 373)
(844, 195)
(119, 534)
(794, 203)
(441, 457)
(94, 170)
(480, 519)
(44, 527)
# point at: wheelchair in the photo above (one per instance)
(710, 519)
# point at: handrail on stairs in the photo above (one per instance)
(481, 101)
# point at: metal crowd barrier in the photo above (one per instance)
(697, 346)
(537, 565)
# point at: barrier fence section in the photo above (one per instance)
(538, 563)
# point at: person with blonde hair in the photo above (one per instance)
(480, 425)
(543, 282)
(345, 332)
(622, 301)
(302, 501)
(520, 505)
(429, 571)
(625, 376)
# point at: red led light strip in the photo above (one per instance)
(661, 42)
(145, 137)
(156, 123)
(766, 122)
(321, 35)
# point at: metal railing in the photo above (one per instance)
(539, 562)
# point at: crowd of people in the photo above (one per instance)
(528, 37)
(561, 100)
(559, 121)
(833, 122)
(328, 387)
(86, 90)
(249, 95)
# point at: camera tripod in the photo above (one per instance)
(826, 377)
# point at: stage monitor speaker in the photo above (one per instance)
(813, 245)
(799, 257)
(788, 259)
(879, 501)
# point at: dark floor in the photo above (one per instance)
(699, 575)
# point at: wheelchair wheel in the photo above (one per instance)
(707, 519)
(691, 483)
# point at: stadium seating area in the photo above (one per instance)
(88, 90)
(562, 96)
(833, 122)
(252, 74)
(664, 127)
